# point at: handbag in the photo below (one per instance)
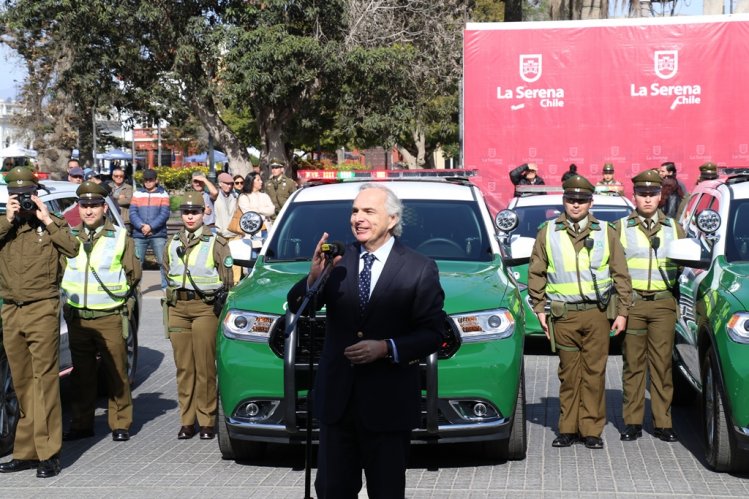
(234, 223)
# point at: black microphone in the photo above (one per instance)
(334, 249)
(655, 242)
(87, 247)
(588, 243)
(181, 252)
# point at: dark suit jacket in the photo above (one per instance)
(405, 305)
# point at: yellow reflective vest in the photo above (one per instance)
(81, 289)
(569, 274)
(642, 261)
(199, 259)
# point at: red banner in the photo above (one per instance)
(635, 93)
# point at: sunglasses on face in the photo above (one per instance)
(117, 176)
(238, 182)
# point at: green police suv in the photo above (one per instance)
(473, 386)
(711, 352)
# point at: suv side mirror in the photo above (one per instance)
(688, 253)
(519, 251)
(242, 251)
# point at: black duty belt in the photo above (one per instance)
(186, 294)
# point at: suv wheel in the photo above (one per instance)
(8, 406)
(239, 450)
(516, 446)
(719, 449)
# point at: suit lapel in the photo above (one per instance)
(390, 271)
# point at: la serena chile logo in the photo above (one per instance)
(530, 69)
(665, 67)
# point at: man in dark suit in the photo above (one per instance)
(384, 312)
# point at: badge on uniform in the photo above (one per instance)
(228, 262)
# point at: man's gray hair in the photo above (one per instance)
(393, 205)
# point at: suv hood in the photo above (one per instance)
(469, 286)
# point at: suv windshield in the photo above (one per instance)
(737, 235)
(446, 230)
(533, 216)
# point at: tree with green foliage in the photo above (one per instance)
(424, 41)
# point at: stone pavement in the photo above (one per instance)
(154, 464)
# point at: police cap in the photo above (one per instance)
(193, 200)
(708, 171)
(578, 187)
(647, 182)
(608, 168)
(91, 193)
(21, 179)
(276, 163)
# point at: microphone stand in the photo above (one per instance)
(310, 297)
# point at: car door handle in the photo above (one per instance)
(683, 279)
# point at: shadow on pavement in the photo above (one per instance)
(149, 361)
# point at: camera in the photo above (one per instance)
(26, 203)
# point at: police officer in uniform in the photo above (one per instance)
(708, 171)
(608, 184)
(33, 247)
(279, 187)
(576, 261)
(97, 285)
(649, 341)
(197, 263)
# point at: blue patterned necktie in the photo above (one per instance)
(365, 279)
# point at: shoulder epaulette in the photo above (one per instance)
(667, 221)
(109, 233)
(560, 226)
(221, 240)
(632, 222)
(612, 224)
(595, 225)
(75, 232)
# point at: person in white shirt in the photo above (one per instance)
(224, 205)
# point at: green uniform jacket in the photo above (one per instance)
(279, 189)
(32, 257)
(130, 263)
(539, 263)
(221, 254)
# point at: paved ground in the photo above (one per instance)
(155, 464)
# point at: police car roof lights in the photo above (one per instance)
(344, 175)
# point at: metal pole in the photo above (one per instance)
(93, 129)
(134, 164)
(158, 138)
(211, 164)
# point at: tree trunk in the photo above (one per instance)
(239, 158)
(420, 141)
(271, 129)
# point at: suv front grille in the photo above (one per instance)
(305, 328)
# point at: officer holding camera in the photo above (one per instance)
(97, 288)
(33, 244)
(198, 265)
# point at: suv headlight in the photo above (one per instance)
(248, 326)
(738, 327)
(484, 326)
